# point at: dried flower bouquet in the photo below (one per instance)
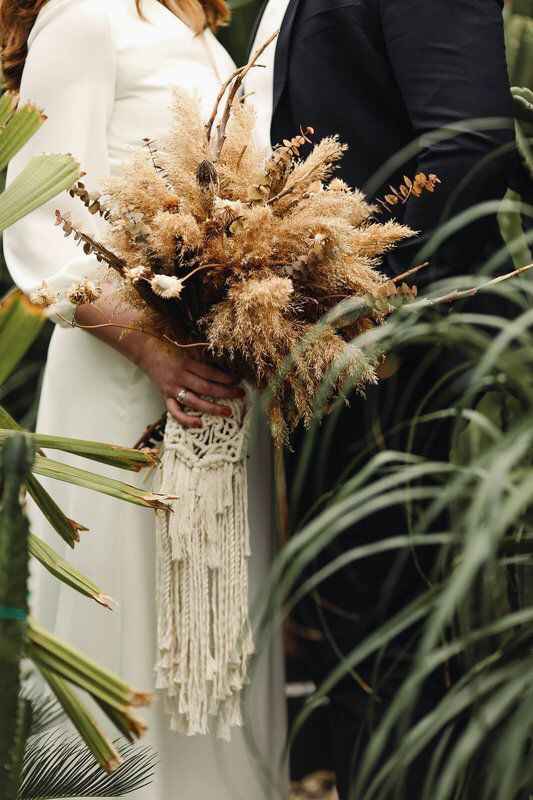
(243, 255)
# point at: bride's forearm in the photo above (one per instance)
(123, 330)
(171, 369)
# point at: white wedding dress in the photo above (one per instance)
(104, 78)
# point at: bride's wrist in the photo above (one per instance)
(143, 350)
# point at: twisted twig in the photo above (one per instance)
(235, 82)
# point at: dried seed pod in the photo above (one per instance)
(207, 176)
(43, 296)
(84, 292)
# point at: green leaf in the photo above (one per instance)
(20, 324)
(43, 178)
(98, 483)
(15, 465)
(7, 421)
(21, 126)
(110, 454)
(65, 572)
(68, 529)
(8, 106)
(50, 652)
(100, 746)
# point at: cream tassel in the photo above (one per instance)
(203, 546)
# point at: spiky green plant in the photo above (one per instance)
(17, 457)
(20, 636)
(473, 509)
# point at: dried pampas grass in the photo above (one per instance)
(248, 252)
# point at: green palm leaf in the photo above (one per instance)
(20, 324)
(17, 130)
(42, 178)
(65, 572)
(110, 454)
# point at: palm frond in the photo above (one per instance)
(42, 178)
(59, 766)
(45, 710)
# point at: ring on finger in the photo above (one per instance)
(181, 397)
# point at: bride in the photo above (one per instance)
(103, 72)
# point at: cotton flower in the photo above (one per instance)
(136, 273)
(166, 286)
(43, 296)
(84, 292)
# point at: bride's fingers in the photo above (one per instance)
(205, 387)
(187, 420)
(192, 400)
(210, 373)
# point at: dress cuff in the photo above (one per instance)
(54, 293)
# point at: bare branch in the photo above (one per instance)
(235, 82)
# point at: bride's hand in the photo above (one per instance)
(178, 373)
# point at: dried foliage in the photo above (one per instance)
(409, 188)
(245, 252)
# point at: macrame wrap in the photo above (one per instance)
(203, 546)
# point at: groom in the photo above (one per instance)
(384, 74)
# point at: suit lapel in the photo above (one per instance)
(281, 63)
(255, 28)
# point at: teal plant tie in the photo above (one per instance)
(8, 612)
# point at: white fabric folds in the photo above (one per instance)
(203, 546)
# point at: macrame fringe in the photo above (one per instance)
(203, 546)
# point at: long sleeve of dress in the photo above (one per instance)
(70, 75)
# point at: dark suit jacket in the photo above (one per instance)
(381, 73)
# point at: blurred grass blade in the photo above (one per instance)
(65, 572)
(20, 324)
(43, 178)
(7, 421)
